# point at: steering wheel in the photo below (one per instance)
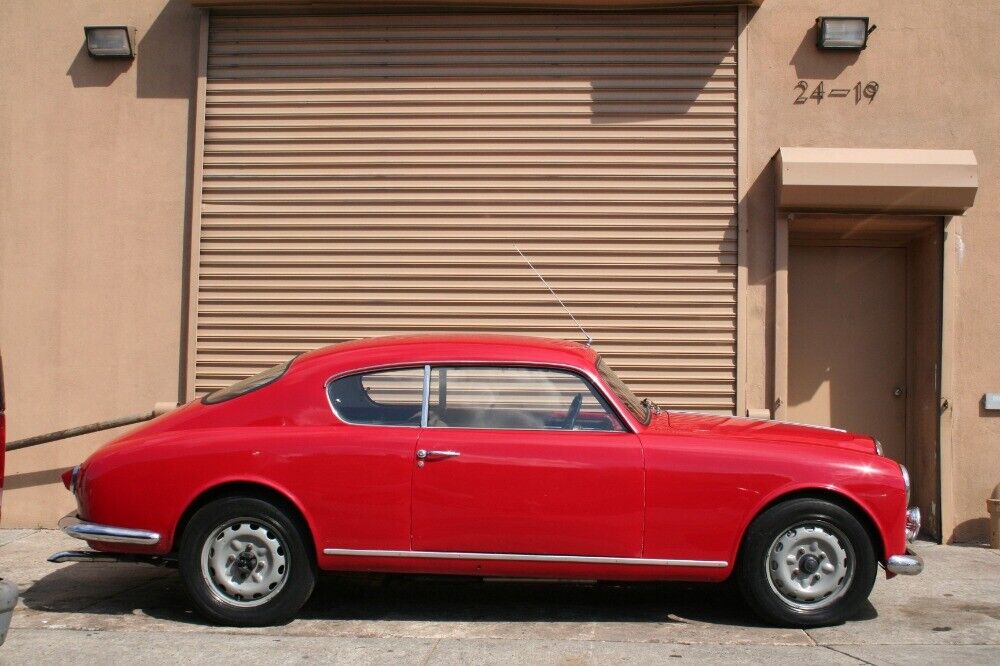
(574, 411)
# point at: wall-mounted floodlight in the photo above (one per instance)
(845, 33)
(110, 41)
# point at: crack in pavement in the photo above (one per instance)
(846, 654)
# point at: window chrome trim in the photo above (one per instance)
(517, 557)
(426, 399)
(576, 372)
(362, 371)
(595, 381)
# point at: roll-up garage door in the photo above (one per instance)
(367, 175)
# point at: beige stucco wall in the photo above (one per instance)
(937, 75)
(95, 161)
(93, 206)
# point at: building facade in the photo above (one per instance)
(745, 223)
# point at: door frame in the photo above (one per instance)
(951, 232)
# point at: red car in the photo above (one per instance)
(487, 456)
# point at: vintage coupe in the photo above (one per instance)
(487, 456)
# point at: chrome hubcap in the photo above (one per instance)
(244, 562)
(810, 565)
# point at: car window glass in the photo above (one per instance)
(515, 398)
(624, 393)
(248, 385)
(384, 397)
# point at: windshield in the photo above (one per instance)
(624, 393)
(247, 385)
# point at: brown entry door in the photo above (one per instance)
(847, 340)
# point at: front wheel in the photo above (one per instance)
(244, 562)
(806, 563)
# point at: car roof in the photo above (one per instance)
(380, 351)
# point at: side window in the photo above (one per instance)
(383, 397)
(515, 398)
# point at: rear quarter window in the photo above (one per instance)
(248, 385)
(382, 397)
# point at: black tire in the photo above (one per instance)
(776, 573)
(276, 584)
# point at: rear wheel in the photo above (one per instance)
(806, 563)
(245, 562)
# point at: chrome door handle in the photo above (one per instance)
(424, 454)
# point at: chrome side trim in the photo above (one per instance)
(910, 564)
(80, 529)
(515, 557)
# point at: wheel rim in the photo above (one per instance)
(245, 562)
(810, 565)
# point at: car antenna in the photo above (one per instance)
(554, 295)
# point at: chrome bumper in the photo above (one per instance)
(80, 529)
(905, 565)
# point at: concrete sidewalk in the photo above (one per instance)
(138, 614)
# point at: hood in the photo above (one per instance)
(757, 430)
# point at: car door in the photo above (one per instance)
(523, 460)
(365, 482)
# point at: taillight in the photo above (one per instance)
(71, 479)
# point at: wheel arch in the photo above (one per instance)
(841, 499)
(253, 489)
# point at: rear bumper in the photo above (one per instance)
(905, 565)
(80, 529)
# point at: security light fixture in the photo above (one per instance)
(844, 33)
(110, 41)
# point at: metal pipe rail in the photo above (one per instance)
(158, 409)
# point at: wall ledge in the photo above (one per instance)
(876, 180)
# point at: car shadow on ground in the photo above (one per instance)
(124, 589)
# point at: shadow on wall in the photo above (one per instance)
(812, 63)
(614, 102)
(163, 70)
(32, 479)
(971, 532)
(87, 72)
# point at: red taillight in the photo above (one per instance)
(67, 478)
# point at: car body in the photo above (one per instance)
(428, 485)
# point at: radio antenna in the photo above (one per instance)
(554, 295)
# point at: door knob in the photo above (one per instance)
(898, 391)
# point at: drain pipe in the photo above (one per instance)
(993, 506)
(159, 409)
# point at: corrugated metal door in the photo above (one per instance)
(367, 175)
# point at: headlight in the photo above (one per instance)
(878, 447)
(906, 482)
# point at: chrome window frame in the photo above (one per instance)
(593, 380)
(601, 398)
(374, 369)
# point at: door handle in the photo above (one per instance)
(424, 454)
